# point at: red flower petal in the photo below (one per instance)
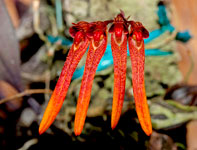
(97, 48)
(119, 31)
(136, 49)
(74, 56)
(119, 52)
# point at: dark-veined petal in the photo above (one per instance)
(96, 50)
(119, 31)
(136, 49)
(75, 54)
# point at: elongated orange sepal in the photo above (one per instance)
(119, 52)
(136, 49)
(96, 50)
(119, 33)
(74, 56)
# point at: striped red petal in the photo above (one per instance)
(136, 49)
(119, 52)
(74, 56)
(95, 53)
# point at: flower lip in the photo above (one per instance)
(97, 27)
(82, 26)
(97, 36)
(120, 24)
(137, 27)
(79, 37)
(119, 27)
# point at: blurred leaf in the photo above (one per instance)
(9, 51)
(184, 94)
(156, 77)
(180, 145)
(7, 90)
(35, 68)
(170, 114)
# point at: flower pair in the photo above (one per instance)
(94, 35)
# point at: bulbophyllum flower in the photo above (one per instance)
(137, 52)
(81, 41)
(119, 32)
(98, 44)
(94, 35)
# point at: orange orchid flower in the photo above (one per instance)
(95, 35)
(136, 49)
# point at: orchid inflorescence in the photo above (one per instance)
(94, 35)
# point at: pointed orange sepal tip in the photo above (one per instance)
(75, 54)
(136, 49)
(97, 49)
(119, 31)
(62, 85)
